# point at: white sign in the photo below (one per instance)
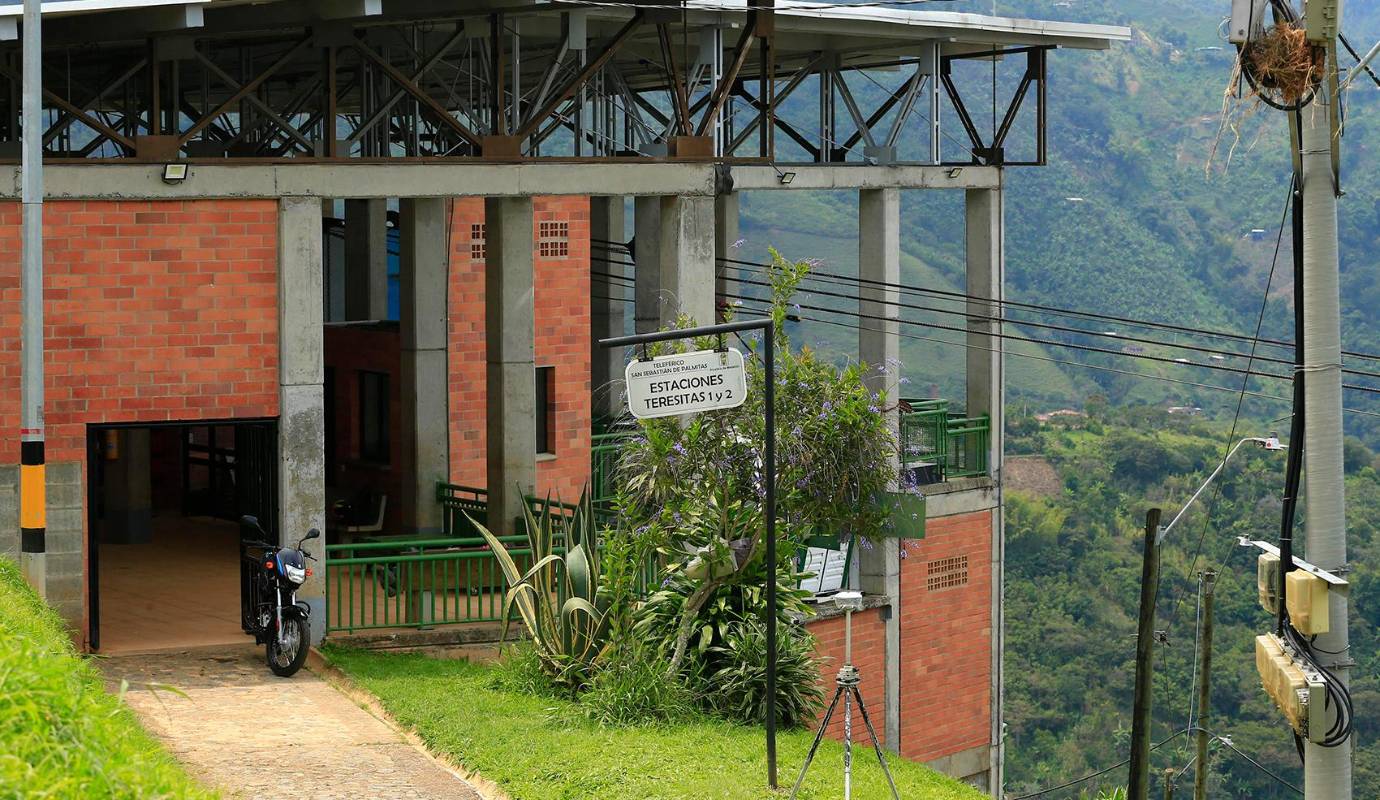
(686, 384)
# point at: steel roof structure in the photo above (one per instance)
(721, 80)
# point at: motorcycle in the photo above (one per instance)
(270, 609)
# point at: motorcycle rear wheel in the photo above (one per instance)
(285, 662)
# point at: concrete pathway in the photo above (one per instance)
(255, 735)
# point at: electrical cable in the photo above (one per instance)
(1357, 56)
(1236, 416)
(1100, 772)
(821, 275)
(1050, 343)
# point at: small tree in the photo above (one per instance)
(699, 484)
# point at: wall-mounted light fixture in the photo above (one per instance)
(955, 172)
(174, 174)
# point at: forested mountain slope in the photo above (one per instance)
(1155, 232)
(1072, 590)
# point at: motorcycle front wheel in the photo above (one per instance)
(286, 658)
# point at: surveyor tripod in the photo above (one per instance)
(846, 688)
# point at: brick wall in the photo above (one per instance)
(153, 311)
(945, 644)
(946, 634)
(869, 656)
(561, 340)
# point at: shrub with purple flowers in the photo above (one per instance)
(699, 481)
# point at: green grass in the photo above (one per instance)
(539, 748)
(61, 734)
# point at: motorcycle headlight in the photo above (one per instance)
(297, 575)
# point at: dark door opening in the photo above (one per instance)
(164, 503)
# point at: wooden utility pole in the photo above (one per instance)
(1168, 783)
(1200, 776)
(1138, 787)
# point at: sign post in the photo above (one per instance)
(703, 381)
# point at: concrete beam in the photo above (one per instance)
(879, 346)
(607, 311)
(408, 178)
(509, 325)
(424, 279)
(366, 259)
(985, 241)
(302, 408)
(858, 176)
(687, 259)
(364, 180)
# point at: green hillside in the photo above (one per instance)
(1073, 582)
(1157, 234)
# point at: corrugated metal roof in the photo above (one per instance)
(853, 19)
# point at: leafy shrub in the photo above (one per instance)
(737, 689)
(636, 693)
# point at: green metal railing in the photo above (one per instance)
(967, 447)
(415, 583)
(952, 445)
(604, 452)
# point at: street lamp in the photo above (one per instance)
(1270, 442)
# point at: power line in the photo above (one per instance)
(1062, 328)
(1075, 313)
(1236, 418)
(1030, 356)
(1100, 772)
(1050, 343)
(816, 274)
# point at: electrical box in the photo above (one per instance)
(1298, 692)
(1247, 21)
(1295, 687)
(1267, 582)
(1305, 595)
(1322, 20)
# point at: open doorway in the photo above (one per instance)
(163, 511)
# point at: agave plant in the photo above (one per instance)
(558, 597)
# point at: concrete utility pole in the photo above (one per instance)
(33, 501)
(1327, 770)
(1200, 776)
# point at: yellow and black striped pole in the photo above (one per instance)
(33, 491)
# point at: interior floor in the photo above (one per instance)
(180, 590)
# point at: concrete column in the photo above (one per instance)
(879, 259)
(647, 272)
(985, 380)
(725, 246)
(366, 259)
(302, 413)
(607, 311)
(512, 385)
(687, 258)
(424, 278)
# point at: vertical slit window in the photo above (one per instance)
(546, 410)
